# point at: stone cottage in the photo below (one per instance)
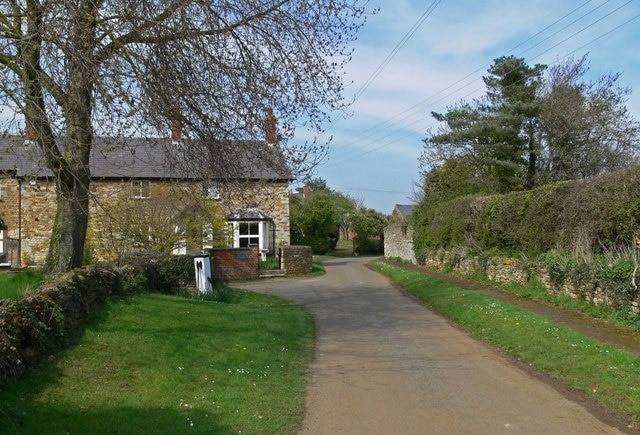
(252, 195)
(398, 235)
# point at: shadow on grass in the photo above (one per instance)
(63, 419)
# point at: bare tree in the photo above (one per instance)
(73, 70)
(586, 127)
(177, 219)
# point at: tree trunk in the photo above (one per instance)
(69, 233)
(70, 227)
(66, 248)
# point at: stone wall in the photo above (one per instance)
(398, 239)
(235, 264)
(506, 270)
(39, 209)
(296, 260)
(38, 198)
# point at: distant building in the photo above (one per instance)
(398, 235)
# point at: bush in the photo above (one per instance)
(369, 246)
(50, 318)
(162, 273)
(585, 217)
(320, 245)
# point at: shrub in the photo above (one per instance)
(46, 320)
(586, 217)
(370, 246)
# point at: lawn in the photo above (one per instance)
(165, 365)
(603, 372)
(14, 283)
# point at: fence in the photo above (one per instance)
(270, 261)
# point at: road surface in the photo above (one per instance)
(385, 364)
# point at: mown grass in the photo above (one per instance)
(14, 284)
(603, 372)
(165, 365)
(536, 291)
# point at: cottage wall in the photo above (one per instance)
(272, 198)
(39, 208)
(398, 239)
(38, 214)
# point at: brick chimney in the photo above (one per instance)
(306, 190)
(176, 126)
(270, 129)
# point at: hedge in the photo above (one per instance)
(52, 317)
(590, 216)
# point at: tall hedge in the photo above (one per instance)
(591, 215)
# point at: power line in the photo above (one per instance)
(374, 75)
(397, 48)
(416, 109)
(390, 123)
(421, 103)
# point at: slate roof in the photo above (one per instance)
(404, 210)
(157, 158)
(248, 214)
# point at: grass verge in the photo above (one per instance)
(536, 291)
(164, 364)
(14, 284)
(604, 373)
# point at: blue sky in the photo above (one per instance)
(374, 153)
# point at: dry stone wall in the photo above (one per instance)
(506, 270)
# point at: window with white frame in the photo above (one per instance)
(242, 234)
(248, 234)
(140, 189)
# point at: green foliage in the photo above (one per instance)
(487, 139)
(585, 218)
(529, 129)
(166, 365)
(368, 225)
(316, 219)
(154, 271)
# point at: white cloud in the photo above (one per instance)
(381, 143)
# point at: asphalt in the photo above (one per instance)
(385, 364)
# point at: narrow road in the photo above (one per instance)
(387, 365)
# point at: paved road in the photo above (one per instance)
(387, 365)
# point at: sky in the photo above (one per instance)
(416, 57)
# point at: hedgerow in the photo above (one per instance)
(44, 321)
(590, 217)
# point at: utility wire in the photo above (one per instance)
(538, 55)
(417, 108)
